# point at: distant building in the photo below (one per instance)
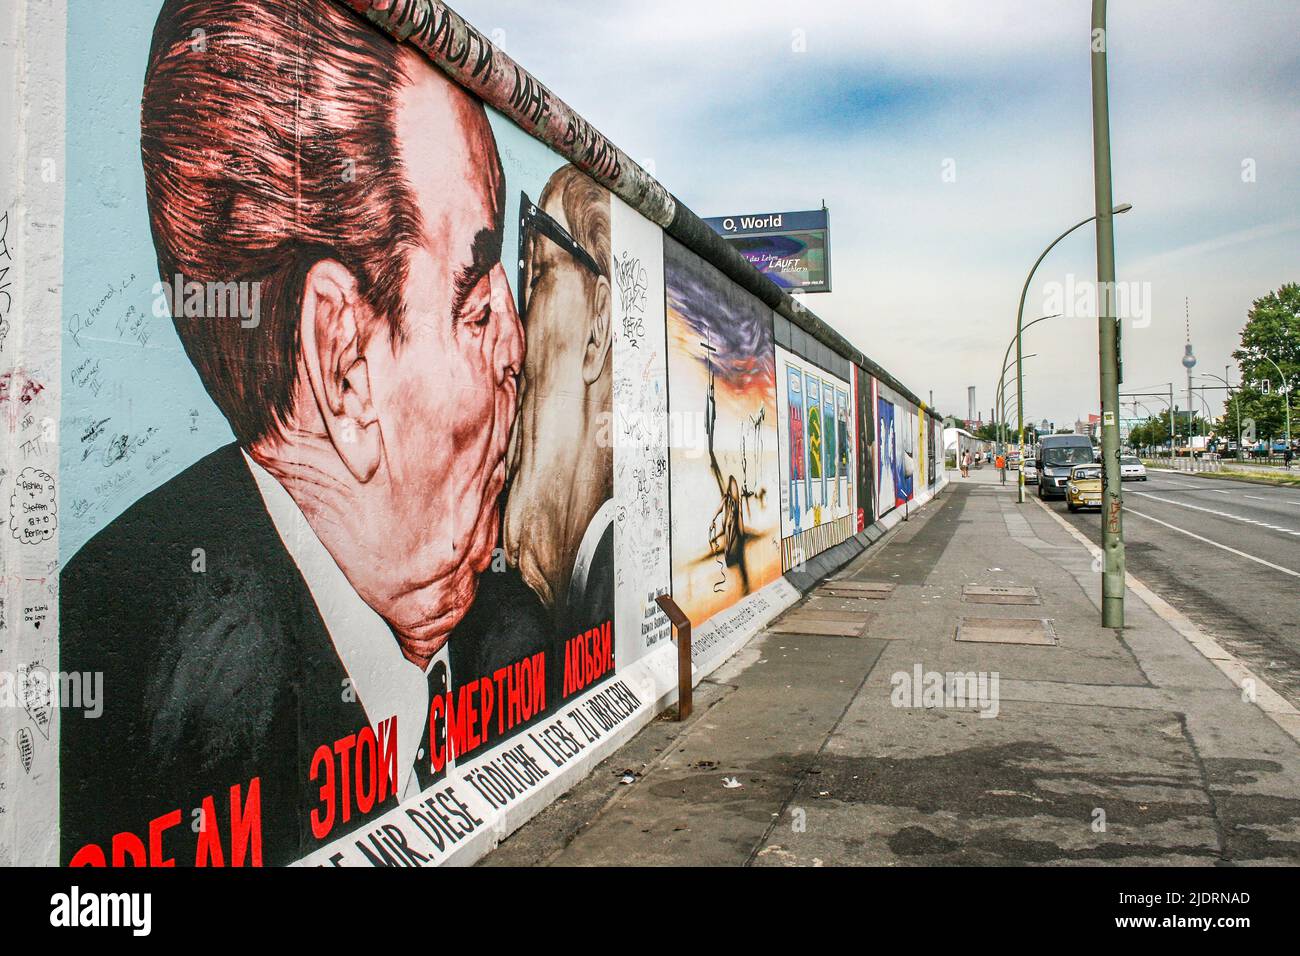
(1091, 426)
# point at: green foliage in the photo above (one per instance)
(1272, 331)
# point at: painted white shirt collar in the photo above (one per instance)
(384, 681)
(591, 538)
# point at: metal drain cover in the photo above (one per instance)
(1006, 630)
(981, 594)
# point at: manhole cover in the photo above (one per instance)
(827, 628)
(981, 594)
(1006, 630)
(843, 584)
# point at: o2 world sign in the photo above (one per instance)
(790, 248)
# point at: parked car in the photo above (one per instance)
(1031, 472)
(1013, 460)
(1132, 469)
(1084, 487)
(1057, 454)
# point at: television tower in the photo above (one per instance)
(1189, 363)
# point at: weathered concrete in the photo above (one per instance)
(1114, 747)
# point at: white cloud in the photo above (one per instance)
(928, 273)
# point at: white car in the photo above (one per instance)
(1031, 472)
(1132, 469)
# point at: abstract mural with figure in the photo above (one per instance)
(905, 455)
(815, 515)
(796, 451)
(722, 388)
(343, 512)
(932, 440)
(899, 465)
(886, 457)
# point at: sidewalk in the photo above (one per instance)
(1131, 748)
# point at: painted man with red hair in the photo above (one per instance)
(261, 617)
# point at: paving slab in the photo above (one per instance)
(907, 747)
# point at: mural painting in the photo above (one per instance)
(722, 380)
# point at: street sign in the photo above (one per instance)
(790, 248)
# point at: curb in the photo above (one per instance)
(1270, 702)
(1244, 479)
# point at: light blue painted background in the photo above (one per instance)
(107, 242)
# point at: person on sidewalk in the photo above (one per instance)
(1288, 457)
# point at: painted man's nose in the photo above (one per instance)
(508, 354)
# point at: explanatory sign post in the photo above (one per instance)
(790, 248)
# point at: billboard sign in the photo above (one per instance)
(790, 248)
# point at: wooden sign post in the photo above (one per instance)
(682, 633)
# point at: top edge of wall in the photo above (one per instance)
(471, 59)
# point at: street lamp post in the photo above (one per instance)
(1229, 386)
(1169, 401)
(1112, 529)
(1006, 356)
(1020, 314)
(1142, 405)
(1286, 403)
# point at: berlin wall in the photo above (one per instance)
(362, 398)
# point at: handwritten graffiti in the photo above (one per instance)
(632, 280)
(26, 749)
(6, 257)
(33, 507)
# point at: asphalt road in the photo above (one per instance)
(1225, 553)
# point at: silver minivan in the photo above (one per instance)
(1057, 454)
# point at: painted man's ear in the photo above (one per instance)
(600, 333)
(333, 314)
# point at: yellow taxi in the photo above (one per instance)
(1084, 487)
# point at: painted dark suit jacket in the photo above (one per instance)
(214, 678)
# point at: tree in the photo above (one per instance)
(1272, 331)
(1151, 433)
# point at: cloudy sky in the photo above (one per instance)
(762, 106)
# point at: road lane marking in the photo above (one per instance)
(1220, 514)
(1280, 501)
(1190, 534)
